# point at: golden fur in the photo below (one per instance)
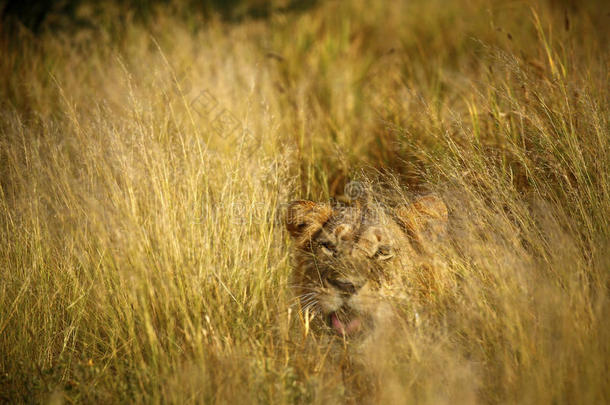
(348, 259)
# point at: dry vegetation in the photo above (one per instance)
(141, 259)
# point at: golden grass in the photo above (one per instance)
(142, 259)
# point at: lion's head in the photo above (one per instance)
(349, 258)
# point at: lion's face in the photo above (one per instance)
(347, 260)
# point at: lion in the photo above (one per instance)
(349, 260)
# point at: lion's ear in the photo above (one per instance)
(304, 218)
(425, 219)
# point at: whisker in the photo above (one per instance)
(306, 298)
(310, 308)
(306, 287)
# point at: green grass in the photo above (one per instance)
(142, 258)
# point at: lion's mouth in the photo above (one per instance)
(344, 327)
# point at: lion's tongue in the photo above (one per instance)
(343, 329)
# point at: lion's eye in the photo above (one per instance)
(384, 252)
(328, 248)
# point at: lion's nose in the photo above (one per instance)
(345, 286)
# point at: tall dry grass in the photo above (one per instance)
(142, 259)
